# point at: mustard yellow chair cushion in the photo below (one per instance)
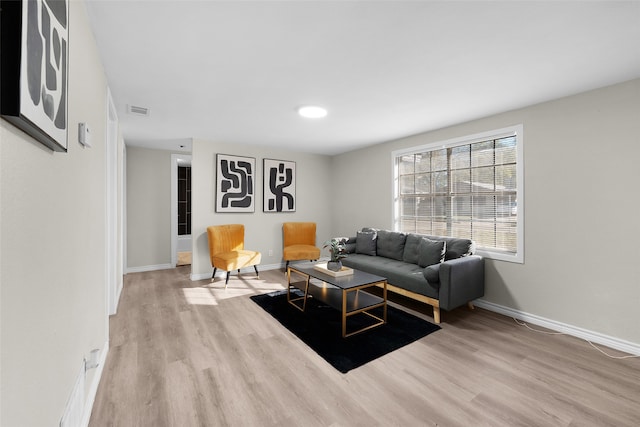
(235, 260)
(297, 252)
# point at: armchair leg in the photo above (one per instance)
(286, 266)
(227, 281)
(214, 273)
(255, 267)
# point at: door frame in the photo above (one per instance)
(113, 263)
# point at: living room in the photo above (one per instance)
(578, 274)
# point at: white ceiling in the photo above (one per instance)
(235, 71)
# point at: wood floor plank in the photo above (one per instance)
(186, 353)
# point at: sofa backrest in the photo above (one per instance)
(404, 247)
(390, 244)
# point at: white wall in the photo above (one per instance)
(52, 223)
(581, 201)
(263, 231)
(148, 208)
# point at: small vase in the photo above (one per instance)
(334, 265)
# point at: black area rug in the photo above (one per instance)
(320, 328)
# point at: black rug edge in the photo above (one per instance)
(357, 350)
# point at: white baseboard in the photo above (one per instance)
(594, 337)
(77, 411)
(144, 268)
(75, 408)
(261, 267)
(93, 388)
(223, 274)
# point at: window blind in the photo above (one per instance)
(466, 190)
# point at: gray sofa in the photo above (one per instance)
(440, 271)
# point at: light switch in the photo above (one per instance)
(84, 136)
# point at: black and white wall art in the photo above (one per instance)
(34, 76)
(279, 186)
(235, 180)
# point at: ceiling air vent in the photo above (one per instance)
(138, 111)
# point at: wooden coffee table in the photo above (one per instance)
(342, 293)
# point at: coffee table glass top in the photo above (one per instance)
(357, 279)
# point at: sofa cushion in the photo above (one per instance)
(457, 248)
(398, 273)
(391, 244)
(366, 242)
(431, 252)
(411, 248)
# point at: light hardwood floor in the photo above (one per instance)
(188, 353)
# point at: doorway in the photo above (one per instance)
(180, 209)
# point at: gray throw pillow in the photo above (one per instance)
(350, 245)
(457, 248)
(391, 244)
(411, 249)
(366, 243)
(431, 252)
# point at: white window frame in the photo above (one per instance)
(515, 130)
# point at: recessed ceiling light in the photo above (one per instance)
(312, 112)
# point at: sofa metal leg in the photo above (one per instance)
(255, 267)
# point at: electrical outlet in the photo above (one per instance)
(270, 252)
(92, 361)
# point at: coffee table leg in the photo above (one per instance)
(288, 284)
(384, 297)
(344, 313)
(293, 301)
(306, 294)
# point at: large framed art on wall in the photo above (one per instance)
(279, 186)
(34, 50)
(235, 189)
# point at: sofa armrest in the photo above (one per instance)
(461, 281)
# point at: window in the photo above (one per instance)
(468, 187)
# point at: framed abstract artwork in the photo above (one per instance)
(279, 186)
(235, 178)
(34, 76)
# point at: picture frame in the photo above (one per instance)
(34, 56)
(235, 183)
(279, 181)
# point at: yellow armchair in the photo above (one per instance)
(226, 249)
(299, 242)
